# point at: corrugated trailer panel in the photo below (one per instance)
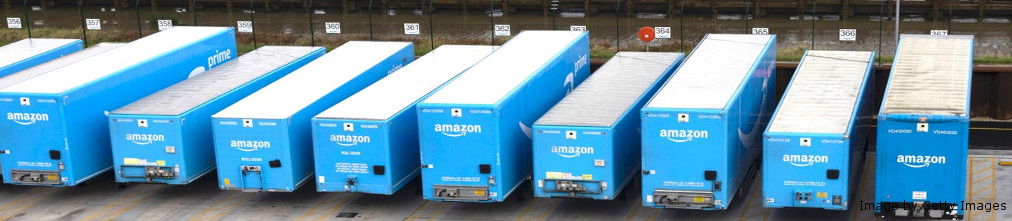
(486, 114)
(54, 64)
(814, 143)
(588, 145)
(57, 133)
(166, 137)
(23, 54)
(369, 142)
(264, 141)
(702, 130)
(923, 128)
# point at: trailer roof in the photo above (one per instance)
(492, 79)
(303, 87)
(403, 88)
(112, 61)
(43, 68)
(614, 88)
(824, 93)
(931, 75)
(30, 47)
(713, 72)
(193, 92)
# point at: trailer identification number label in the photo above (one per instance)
(920, 195)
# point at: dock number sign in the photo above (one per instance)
(332, 27)
(411, 29)
(760, 31)
(244, 26)
(933, 32)
(662, 32)
(13, 22)
(164, 25)
(848, 34)
(93, 24)
(502, 30)
(578, 28)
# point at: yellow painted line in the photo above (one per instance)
(317, 210)
(219, 210)
(550, 210)
(982, 179)
(528, 209)
(333, 209)
(30, 194)
(641, 210)
(979, 191)
(412, 215)
(40, 194)
(438, 212)
(1005, 163)
(983, 170)
(748, 205)
(124, 203)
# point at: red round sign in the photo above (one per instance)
(646, 34)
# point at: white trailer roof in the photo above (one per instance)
(824, 93)
(931, 75)
(611, 91)
(112, 61)
(400, 90)
(56, 63)
(493, 78)
(298, 90)
(27, 48)
(193, 92)
(713, 72)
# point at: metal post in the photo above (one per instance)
(370, 20)
(253, 24)
(897, 18)
(617, 43)
(747, 6)
(193, 11)
(881, 21)
(491, 22)
(312, 34)
(84, 26)
(814, 3)
(555, 8)
(432, 32)
(137, 10)
(28, 20)
(949, 16)
(681, 27)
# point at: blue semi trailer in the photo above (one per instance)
(166, 137)
(588, 145)
(54, 64)
(368, 143)
(815, 142)
(475, 132)
(923, 128)
(23, 54)
(264, 142)
(701, 131)
(57, 132)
